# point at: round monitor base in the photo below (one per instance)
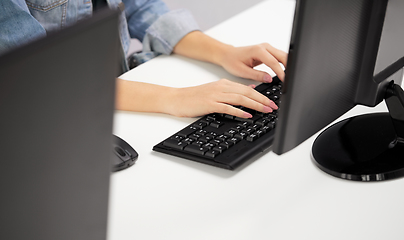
(361, 148)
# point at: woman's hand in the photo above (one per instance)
(240, 61)
(220, 96)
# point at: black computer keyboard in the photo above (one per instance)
(223, 140)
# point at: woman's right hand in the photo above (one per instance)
(221, 97)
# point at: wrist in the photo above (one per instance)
(221, 53)
(168, 101)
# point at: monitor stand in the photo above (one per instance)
(368, 147)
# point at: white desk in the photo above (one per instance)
(272, 197)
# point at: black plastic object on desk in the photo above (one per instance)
(124, 155)
(223, 140)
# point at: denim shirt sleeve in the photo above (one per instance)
(158, 28)
(17, 25)
(140, 14)
(168, 30)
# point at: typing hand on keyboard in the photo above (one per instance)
(252, 56)
(220, 96)
(228, 140)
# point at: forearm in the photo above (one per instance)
(142, 97)
(200, 46)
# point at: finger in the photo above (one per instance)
(273, 63)
(273, 57)
(228, 86)
(254, 74)
(280, 55)
(240, 100)
(231, 110)
(240, 95)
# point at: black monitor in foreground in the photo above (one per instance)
(343, 53)
(56, 103)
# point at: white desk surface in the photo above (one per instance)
(272, 197)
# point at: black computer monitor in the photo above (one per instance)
(56, 105)
(343, 53)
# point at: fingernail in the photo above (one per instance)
(247, 115)
(252, 86)
(267, 78)
(273, 105)
(267, 109)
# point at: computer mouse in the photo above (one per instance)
(124, 155)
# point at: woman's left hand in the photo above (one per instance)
(240, 61)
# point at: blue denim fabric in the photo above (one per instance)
(150, 21)
(168, 30)
(17, 25)
(164, 34)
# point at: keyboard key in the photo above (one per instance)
(223, 137)
(243, 124)
(274, 97)
(194, 136)
(231, 132)
(216, 124)
(269, 116)
(248, 130)
(259, 133)
(212, 134)
(201, 132)
(177, 138)
(252, 137)
(212, 153)
(226, 144)
(187, 131)
(205, 121)
(206, 138)
(241, 135)
(253, 119)
(195, 149)
(198, 143)
(261, 114)
(234, 140)
(211, 118)
(200, 125)
(216, 141)
(209, 145)
(262, 122)
(188, 140)
(268, 92)
(220, 148)
(271, 124)
(174, 144)
(255, 126)
(238, 128)
(265, 129)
